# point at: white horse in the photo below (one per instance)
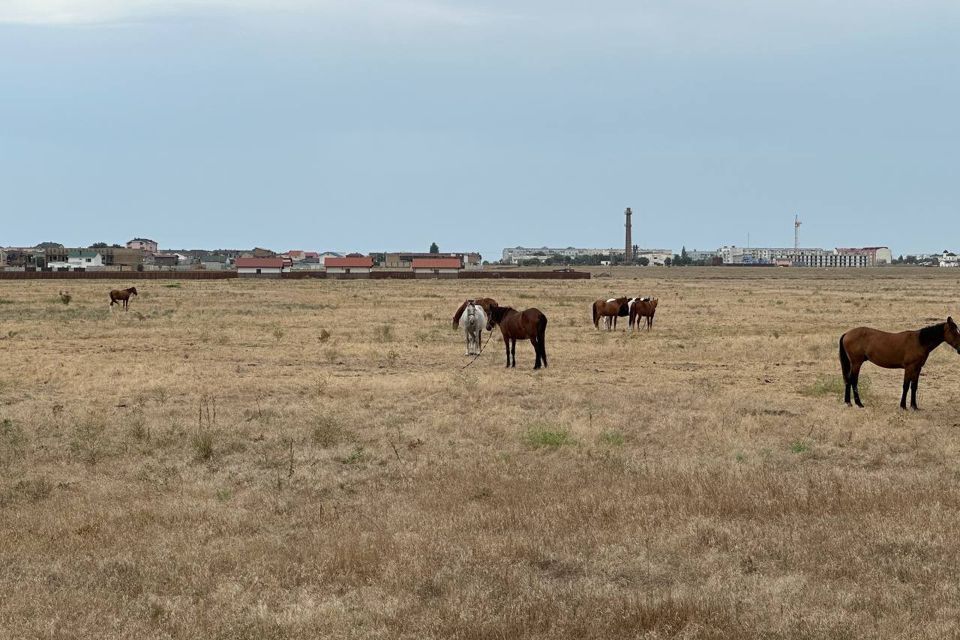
(472, 322)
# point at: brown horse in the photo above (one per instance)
(122, 296)
(524, 325)
(643, 308)
(484, 303)
(907, 350)
(611, 308)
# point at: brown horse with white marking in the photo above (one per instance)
(530, 324)
(612, 308)
(907, 350)
(122, 296)
(643, 308)
(483, 303)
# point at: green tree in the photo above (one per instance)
(643, 260)
(434, 248)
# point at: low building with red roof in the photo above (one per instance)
(354, 265)
(436, 267)
(260, 266)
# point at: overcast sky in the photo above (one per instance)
(374, 124)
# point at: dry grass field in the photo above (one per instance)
(245, 459)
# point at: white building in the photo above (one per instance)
(328, 254)
(79, 259)
(146, 244)
(272, 267)
(515, 255)
(657, 257)
(807, 257)
(949, 259)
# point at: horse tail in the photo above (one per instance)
(844, 361)
(596, 316)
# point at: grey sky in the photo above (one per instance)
(366, 124)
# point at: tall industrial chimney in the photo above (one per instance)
(628, 246)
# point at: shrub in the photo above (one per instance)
(544, 436)
(202, 443)
(326, 431)
(613, 438)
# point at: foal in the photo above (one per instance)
(122, 296)
(525, 325)
(907, 350)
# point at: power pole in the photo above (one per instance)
(796, 233)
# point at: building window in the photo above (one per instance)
(258, 271)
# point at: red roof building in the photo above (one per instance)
(436, 263)
(259, 263)
(365, 262)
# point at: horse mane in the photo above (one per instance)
(499, 312)
(456, 316)
(932, 336)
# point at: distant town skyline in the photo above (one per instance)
(371, 125)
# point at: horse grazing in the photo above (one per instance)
(483, 303)
(122, 296)
(530, 324)
(643, 308)
(606, 309)
(472, 322)
(907, 350)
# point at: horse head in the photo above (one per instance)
(133, 291)
(951, 334)
(494, 316)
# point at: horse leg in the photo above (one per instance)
(908, 374)
(506, 343)
(536, 350)
(913, 390)
(854, 382)
(513, 352)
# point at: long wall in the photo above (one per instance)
(293, 275)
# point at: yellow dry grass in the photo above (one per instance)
(248, 459)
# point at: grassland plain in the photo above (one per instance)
(246, 459)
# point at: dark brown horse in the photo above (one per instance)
(484, 303)
(524, 325)
(122, 296)
(643, 308)
(907, 350)
(611, 308)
